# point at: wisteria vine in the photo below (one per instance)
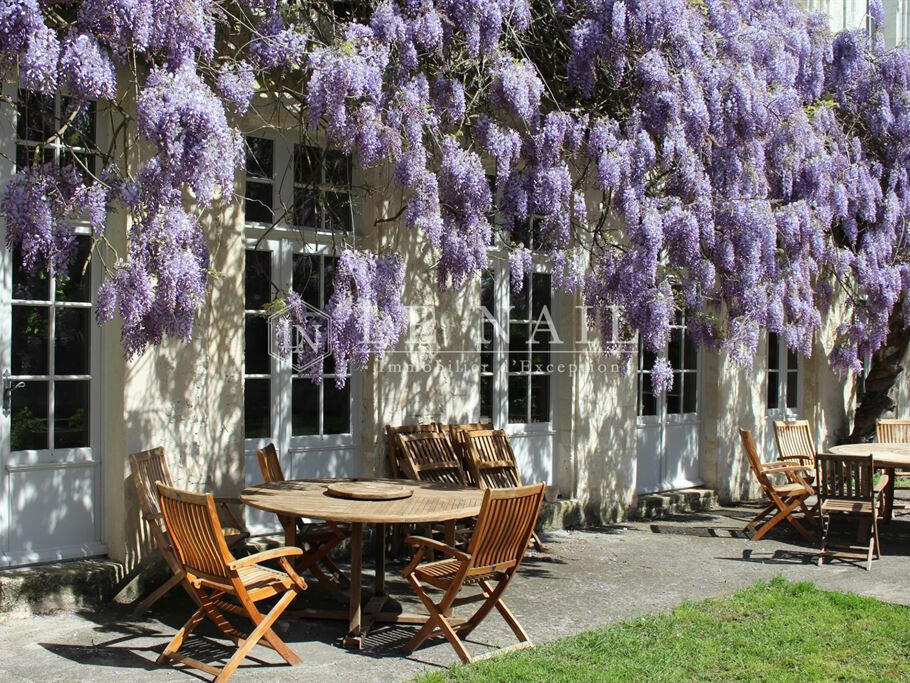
(728, 158)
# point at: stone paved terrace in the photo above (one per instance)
(591, 578)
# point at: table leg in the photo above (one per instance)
(379, 583)
(353, 639)
(450, 532)
(889, 496)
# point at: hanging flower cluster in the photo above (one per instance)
(745, 161)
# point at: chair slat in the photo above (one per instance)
(429, 456)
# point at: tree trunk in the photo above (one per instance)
(887, 365)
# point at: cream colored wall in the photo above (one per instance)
(185, 397)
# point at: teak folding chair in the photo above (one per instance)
(785, 498)
(316, 540)
(795, 444)
(492, 463)
(895, 431)
(214, 575)
(395, 468)
(507, 518)
(429, 456)
(846, 488)
(456, 434)
(147, 468)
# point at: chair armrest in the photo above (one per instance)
(222, 500)
(777, 467)
(882, 483)
(264, 556)
(431, 544)
(152, 516)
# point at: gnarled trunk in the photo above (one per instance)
(887, 365)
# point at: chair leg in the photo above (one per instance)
(185, 630)
(262, 627)
(435, 620)
(752, 525)
(507, 615)
(157, 594)
(272, 638)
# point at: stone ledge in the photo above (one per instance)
(668, 503)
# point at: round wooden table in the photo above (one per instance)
(885, 456)
(428, 502)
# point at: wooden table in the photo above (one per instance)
(308, 498)
(885, 456)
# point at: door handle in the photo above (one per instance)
(8, 389)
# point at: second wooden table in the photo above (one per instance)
(309, 498)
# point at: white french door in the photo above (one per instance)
(668, 427)
(516, 367)
(782, 398)
(50, 358)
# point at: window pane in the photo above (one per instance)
(647, 401)
(540, 398)
(256, 402)
(540, 351)
(773, 389)
(690, 392)
(260, 153)
(674, 348)
(71, 413)
(487, 298)
(305, 208)
(328, 275)
(792, 359)
(304, 407)
(76, 285)
(72, 341)
(486, 348)
(28, 419)
(674, 396)
(337, 169)
(336, 416)
(258, 202)
(486, 398)
(518, 398)
(792, 389)
(519, 358)
(29, 156)
(307, 165)
(256, 346)
(26, 285)
(338, 211)
(541, 293)
(521, 233)
(690, 353)
(82, 162)
(35, 116)
(81, 130)
(773, 352)
(306, 278)
(258, 279)
(29, 347)
(519, 302)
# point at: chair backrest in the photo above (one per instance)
(892, 431)
(794, 441)
(844, 477)
(430, 457)
(504, 527)
(456, 433)
(269, 464)
(192, 522)
(748, 442)
(490, 459)
(392, 433)
(149, 467)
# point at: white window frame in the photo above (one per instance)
(21, 462)
(783, 411)
(663, 415)
(499, 372)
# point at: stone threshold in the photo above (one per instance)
(668, 503)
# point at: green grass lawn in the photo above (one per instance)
(776, 631)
